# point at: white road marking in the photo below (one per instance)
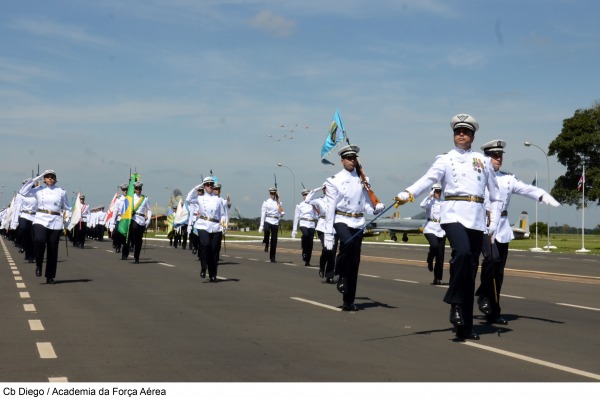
(253, 259)
(18, 278)
(60, 379)
(46, 350)
(369, 276)
(314, 303)
(512, 297)
(29, 307)
(402, 280)
(24, 295)
(576, 306)
(20, 285)
(36, 325)
(16, 273)
(535, 361)
(167, 265)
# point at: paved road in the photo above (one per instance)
(108, 320)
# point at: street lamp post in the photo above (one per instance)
(294, 178)
(527, 144)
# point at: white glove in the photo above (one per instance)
(379, 208)
(328, 241)
(260, 229)
(404, 196)
(551, 201)
(492, 228)
(294, 233)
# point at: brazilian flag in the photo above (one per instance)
(127, 210)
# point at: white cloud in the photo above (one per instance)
(269, 22)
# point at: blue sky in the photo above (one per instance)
(176, 88)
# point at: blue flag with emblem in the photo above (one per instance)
(335, 136)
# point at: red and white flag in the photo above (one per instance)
(581, 182)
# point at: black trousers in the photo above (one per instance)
(79, 233)
(348, 259)
(492, 274)
(135, 239)
(46, 241)
(25, 237)
(327, 259)
(436, 252)
(466, 248)
(271, 231)
(307, 241)
(208, 251)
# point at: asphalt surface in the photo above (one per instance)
(108, 320)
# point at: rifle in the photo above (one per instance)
(366, 184)
(277, 195)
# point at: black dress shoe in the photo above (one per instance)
(266, 248)
(321, 273)
(213, 278)
(123, 257)
(118, 250)
(307, 264)
(467, 335)
(349, 307)
(38, 271)
(437, 282)
(136, 261)
(341, 285)
(456, 317)
(50, 281)
(330, 280)
(273, 260)
(484, 305)
(430, 267)
(203, 274)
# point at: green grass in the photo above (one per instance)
(565, 243)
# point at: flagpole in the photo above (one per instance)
(536, 248)
(583, 249)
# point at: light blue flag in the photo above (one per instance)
(336, 135)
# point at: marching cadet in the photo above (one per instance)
(327, 259)
(25, 209)
(118, 238)
(434, 233)
(193, 212)
(211, 215)
(47, 226)
(270, 214)
(305, 215)
(495, 251)
(80, 230)
(226, 207)
(347, 202)
(464, 175)
(100, 224)
(141, 215)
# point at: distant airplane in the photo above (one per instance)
(416, 223)
(394, 226)
(521, 228)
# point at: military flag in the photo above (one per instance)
(75, 213)
(335, 136)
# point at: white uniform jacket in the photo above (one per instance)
(51, 201)
(509, 184)
(305, 216)
(210, 213)
(270, 212)
(347, 201)
(462, 173)
(142, 214)
(433, 207)
(320, 206)
(27, 206)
